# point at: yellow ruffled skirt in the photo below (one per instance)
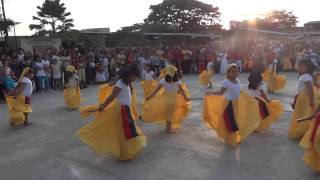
(204, 77)
(166, 107)
(72, 97)
(301, 109)
(275, 81)
(148, 87)
(311, 143)
(113, 131)
(269, 112)
(245, 117)
(17, 108)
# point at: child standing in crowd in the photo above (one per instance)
(171, 107)
(56, 73)
(114, 129)
(205, 76)
(234, 116)
(149, 83)
(100, 73)
(82, 71)
(20, 104)
(270, 111)
(47, 70)
(311, 140)
(303, 104)
(71, 93)
(40, 73)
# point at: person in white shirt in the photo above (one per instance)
(303, 104)
(71, 93)
(46, 65)
(148, 73)
(224, 63)
(119, 119)
(172, 86)
(233, 117)
(40, 74)
(25, 89)
(270, 111)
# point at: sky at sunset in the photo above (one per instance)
(119, 13)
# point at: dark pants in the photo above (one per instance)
(2, 89)
(186, 66)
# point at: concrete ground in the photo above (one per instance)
(50, 150)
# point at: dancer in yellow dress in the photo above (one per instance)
(270, 111)
(230, 112)
(205, 76)
(71, 93)
(311, 141)
(303, 103)
(114, 129)
(20, 104)
(275, 81)
(170, 107)
(287, 64)
(149, 83)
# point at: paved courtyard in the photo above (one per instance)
(50, 150)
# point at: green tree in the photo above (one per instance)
(5, 25)
(52, 18)
(282, 20)
(185, 16)
(277, 20)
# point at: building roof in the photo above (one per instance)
(96, 31)
(182, 34)
(262, 31)
(312, 22)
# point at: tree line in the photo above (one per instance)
(178, 16)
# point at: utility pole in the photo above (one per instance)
(5, 22)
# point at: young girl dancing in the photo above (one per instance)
(170, 107)
(149, 83)
(311, 141)
(114, 129)
(275, 81)
(205, 76)
(303, 104)
(270, 111)
(234, 116)
(20, 104)
(71, 93)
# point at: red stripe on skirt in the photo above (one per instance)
(294, 102)
(27, 100)
(227, 121)
(315, 129)
(125, 122)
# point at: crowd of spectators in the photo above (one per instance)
(96, 65)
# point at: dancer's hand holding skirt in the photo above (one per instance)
(301, 109)
(311, 143)
(269, 112)
(148, 87)
(234, 120)
(72, 97)
(113, 131)
(165, 107)
(17, 107)
(106, 90)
